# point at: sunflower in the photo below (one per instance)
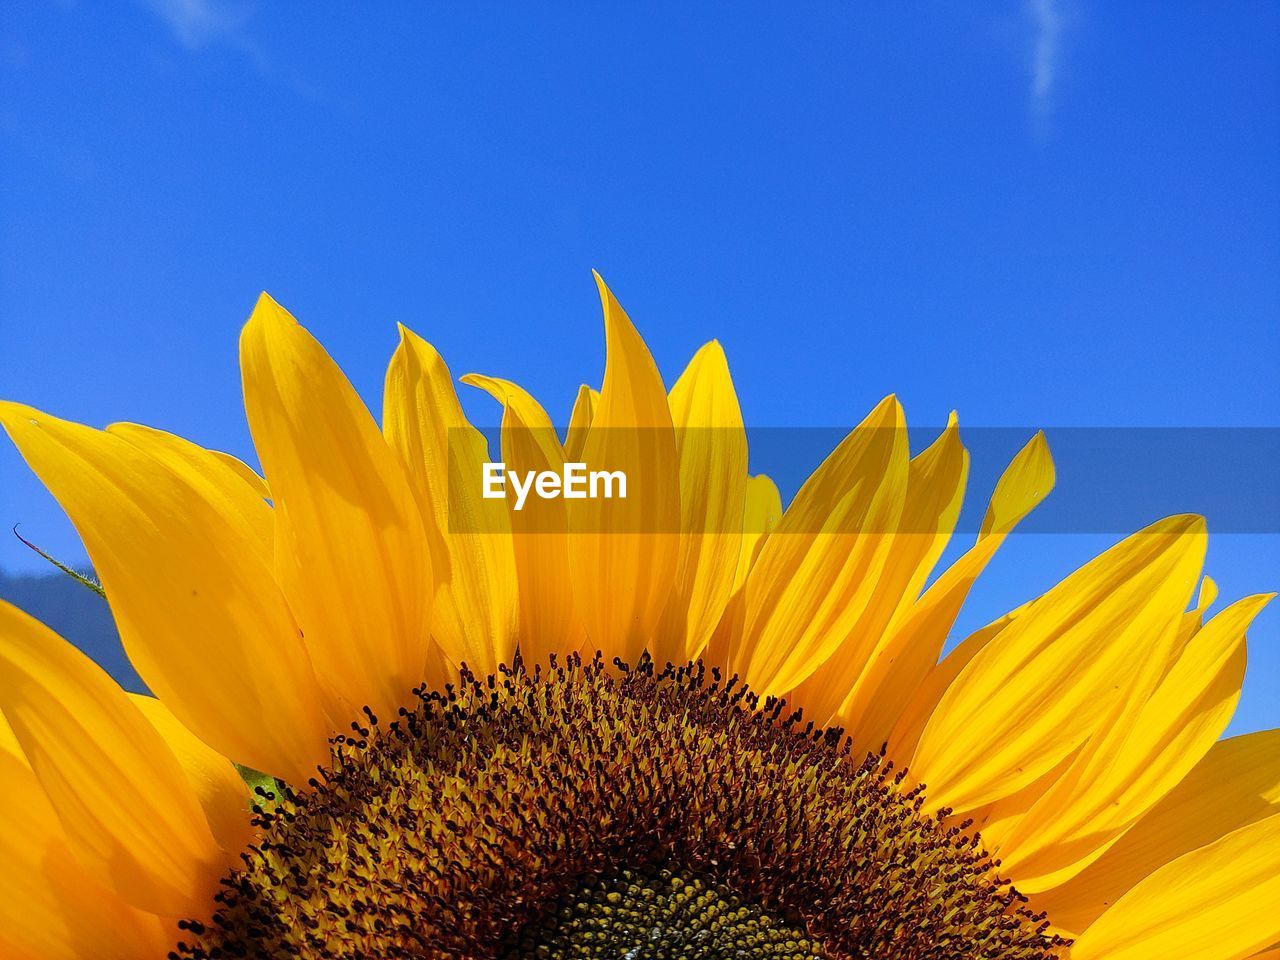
(395, 717)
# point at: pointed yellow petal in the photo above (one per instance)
(222, 793)
(242, 497)
(818, 572)
(1236, 784)
(996, 819)
(50, 909)
(914, 639)
(623, 551)
(351, 548)
(1214, 903)
(1043, 686)
(935, 489)
(711, 447)
(548, 621)
(9, 745)
(1028, 481)
(177, 539)
(244, 472)
(116, 787)
(761, 515)
(935, 492)
(584, 411)
(923, 701)
(1208, 594)
(1152, 742)
(476, 603)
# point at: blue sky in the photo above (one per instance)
(1039, 214)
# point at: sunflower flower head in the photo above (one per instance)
(683, 723)
(598, 813)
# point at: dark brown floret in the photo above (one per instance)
(553, 813)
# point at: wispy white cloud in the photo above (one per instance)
(1046, 20)
(196, 23)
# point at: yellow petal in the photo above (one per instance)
(244, 472)
(623, 551)
(1208, 594)
(50, 909)
(238, 493)
(9, 745)
(935, 492)
(935, 489)
(906, 733)
(117, 789)
(762, 512)
(584, 411)
(351, 548)
(177, 539)
(1236, 784)
(1152, 742)
(1215, 903)
(818, 572)
(222, 793)
(914, 639)
(548, 620)
(476, 604)
(711, 447)
(1044, 684)
(761, 515)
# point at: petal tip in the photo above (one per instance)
(1189, 523)
(267, 310)
(12, 412)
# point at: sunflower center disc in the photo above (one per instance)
(654, 914)
(463, 829)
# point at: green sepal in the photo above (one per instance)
(75, 575)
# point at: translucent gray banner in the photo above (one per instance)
(1110, 480)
